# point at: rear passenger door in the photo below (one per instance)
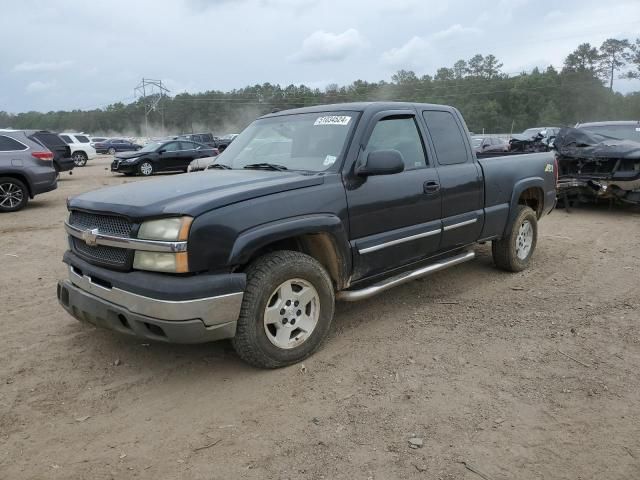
(394, 219)
(461, 182)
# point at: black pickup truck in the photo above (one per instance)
(353, 200)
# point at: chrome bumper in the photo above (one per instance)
(211, 311)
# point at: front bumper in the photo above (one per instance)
(119, 166)
(105, 301)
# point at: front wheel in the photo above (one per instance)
(286, 311)
(145, 168)
(514, 251)
(79, 159)
(112, 151)
(13, 194)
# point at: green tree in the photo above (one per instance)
(491, 66)
(585, 58)
(460, 69)
(614, 54)
(476, 65)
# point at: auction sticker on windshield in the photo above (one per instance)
(333, 120)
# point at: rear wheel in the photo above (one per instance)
(13, 194)
(145, 168)
(112, 151)
(286, 312)
(513, 252)
(79, 159)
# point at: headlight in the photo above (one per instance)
(166, 229)
(169, 230)
(161, 262)
(130, 160)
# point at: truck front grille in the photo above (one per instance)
(107, 224)
(118, 258)
(108, 256)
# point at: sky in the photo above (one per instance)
(78, 54)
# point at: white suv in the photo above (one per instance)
(81, 150)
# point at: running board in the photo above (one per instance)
(355, 295)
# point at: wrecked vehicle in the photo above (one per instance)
(594, 165)
(533, 140)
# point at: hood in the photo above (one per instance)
(583, 144)
(190, 194)
(125, 155)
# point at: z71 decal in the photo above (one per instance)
(548, 167)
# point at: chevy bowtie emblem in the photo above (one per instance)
(90, 237)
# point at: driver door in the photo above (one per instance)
(394, 219)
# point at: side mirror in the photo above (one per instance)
(485, 146)
(382, 162)
(161, 151)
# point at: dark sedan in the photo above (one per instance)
(114, 145)
(168, 156)
(489, 144)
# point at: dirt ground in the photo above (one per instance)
(503, 376)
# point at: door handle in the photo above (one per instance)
(431, 187)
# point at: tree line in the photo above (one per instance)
(490, 99)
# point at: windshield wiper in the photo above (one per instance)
(266, 166)
(219, 166)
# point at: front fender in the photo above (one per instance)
(252, 240)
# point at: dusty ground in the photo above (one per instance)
(468, 360)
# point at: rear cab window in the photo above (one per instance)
(447, 137)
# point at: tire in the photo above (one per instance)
(79, 159)
(14, 194)
(111, 151)
(270, 280)
(145, 168)
(513, 252)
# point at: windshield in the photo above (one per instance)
(150, 147)
(306, 141)
(622, 132)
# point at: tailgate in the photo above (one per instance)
(54, 143)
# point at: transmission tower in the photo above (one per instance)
(151, 91)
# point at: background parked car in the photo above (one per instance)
(489, 144)
(199, 164)
(172, 155)
(622, 129)
(26, 169)
(81, 149)
(114, 145)
(224, 141)
(204, 138)
(62, 161)
(95, 140)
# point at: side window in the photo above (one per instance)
(448, 140)
(187, 146)
(399, 134)
(172, 147)
(8, 144)
(66, 139)
(82, 139)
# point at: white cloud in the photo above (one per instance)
(326, 46)
(408, 55)
(38, 86)
(42, 66)
(454, 31)
(419, 51)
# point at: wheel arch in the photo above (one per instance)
(319, 236)
(23, 178)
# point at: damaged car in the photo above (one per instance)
(533, 140)
(598, 165)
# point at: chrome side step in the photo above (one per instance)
(355, 295)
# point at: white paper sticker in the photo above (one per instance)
(333, 120)
(329, 160)
(637, 129)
